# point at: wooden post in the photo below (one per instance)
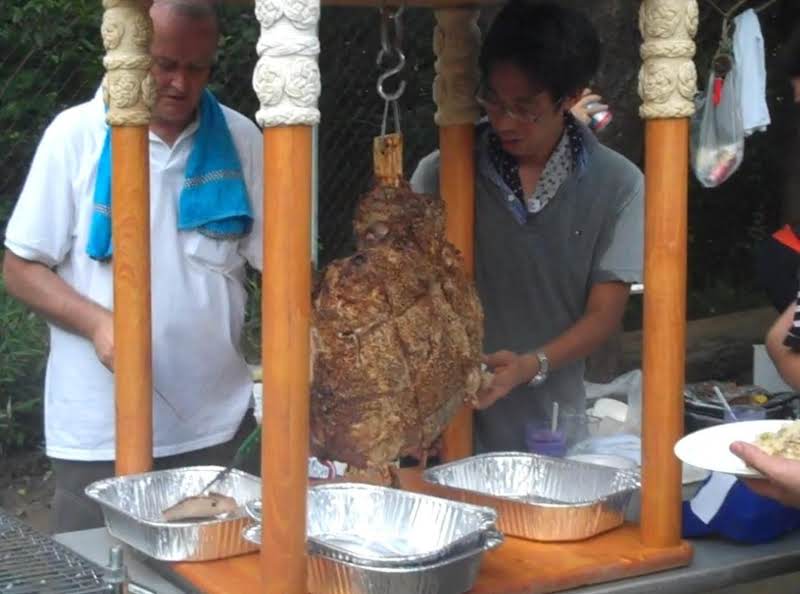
(129, 95)
(667, 83)
(456, 41)
(664, 328)
(133, 375)
(287, 82)
(286, 308)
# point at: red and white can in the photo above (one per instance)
(599, 120)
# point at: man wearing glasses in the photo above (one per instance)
(558, 220)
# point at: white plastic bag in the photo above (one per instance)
(717, 144)
(627, 386)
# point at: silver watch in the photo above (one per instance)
(544, 369)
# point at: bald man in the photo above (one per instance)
(205, 224)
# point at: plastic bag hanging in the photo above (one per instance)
(717, 143)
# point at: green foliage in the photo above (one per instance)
(23, 346)
(52, 58)
(251, 334)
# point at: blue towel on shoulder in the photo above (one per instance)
(214, 198)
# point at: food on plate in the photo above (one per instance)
(396, 336)
(785, 442)
(200, 507)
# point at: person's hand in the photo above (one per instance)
(103, 338)
(782, 481)
(510, 370)
(581, 109)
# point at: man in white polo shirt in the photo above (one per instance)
(58, 262)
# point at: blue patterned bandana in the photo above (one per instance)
(568, 156)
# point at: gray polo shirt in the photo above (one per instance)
(534, 276)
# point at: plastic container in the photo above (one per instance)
(745, 412)
(540, 439)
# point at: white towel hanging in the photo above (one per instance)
(748, 51)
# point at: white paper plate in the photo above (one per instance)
(710, 448)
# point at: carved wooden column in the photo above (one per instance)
(667, 84)
(456, 42)
(129, 94)
(287, 82)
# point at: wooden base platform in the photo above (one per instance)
(525, 567)
(517, 567)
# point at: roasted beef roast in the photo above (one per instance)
(396, 336)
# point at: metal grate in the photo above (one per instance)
(32, 563)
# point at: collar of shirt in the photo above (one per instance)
(154, 138)
(570, 155)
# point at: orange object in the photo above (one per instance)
(716, 95)
(666, 172)
(787, 237)
(286, 308)
(457, 187)
(133, 373)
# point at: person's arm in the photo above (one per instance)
(782, 474)
(425, 179)
(46, 293)
(786, 361)
(603, 314)
(42, 228)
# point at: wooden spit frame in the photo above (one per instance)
(667, 84)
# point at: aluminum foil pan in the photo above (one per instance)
(453, 575)
(537, 497)
(379, 527)
(132, 507)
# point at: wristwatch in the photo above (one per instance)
(544, 368)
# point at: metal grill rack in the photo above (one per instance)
(32, 563)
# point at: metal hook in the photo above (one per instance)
(390, 73)
(389, 16)
(390, 45)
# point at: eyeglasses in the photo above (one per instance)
(523, 113)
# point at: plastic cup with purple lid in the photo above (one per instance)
(545, 438)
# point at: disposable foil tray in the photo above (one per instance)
(452, 575)
(538, 497)
(374, 526)
(132, 507)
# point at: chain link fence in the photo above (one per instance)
(43, 71)
(351, 109)
(51, 58)
(45, 68)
